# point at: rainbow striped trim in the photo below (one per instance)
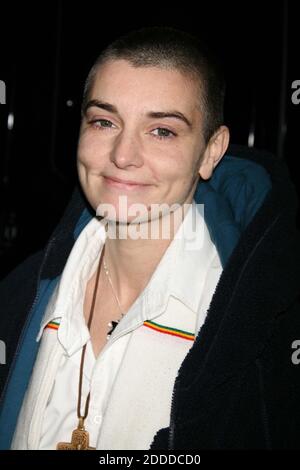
(53, 325)
(169, 331)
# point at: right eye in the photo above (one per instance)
(100, 123)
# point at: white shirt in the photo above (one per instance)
(131, 381)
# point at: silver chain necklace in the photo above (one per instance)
(112, 324)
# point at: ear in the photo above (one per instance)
(214, 152)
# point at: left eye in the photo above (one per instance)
(163, 133)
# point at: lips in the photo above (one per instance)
(118, 180)
(124, 184)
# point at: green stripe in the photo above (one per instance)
(170, 329)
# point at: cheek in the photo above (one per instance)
(183, 172)
(178, 166)
(88, 153)
(83, 151)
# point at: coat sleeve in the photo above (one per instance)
(160, 440)
(17, 292)
(280, 381)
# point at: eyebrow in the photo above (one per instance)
(151, 114)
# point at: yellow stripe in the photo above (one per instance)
(170, 331)
(52, 325)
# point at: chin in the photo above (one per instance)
(114, 214)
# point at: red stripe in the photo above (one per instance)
(169, 333)
(53, 327)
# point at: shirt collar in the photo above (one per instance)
(182, 270)
(181, 273)
(67, 300)
(195, 254)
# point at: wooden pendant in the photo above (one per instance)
(79, 441)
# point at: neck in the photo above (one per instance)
(132, 261)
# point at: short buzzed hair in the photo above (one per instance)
(169, 48)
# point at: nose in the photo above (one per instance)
(127, 150)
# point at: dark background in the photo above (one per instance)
(46, 51)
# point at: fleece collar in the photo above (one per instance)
(231, 197)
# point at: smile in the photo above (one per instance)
(119, 184)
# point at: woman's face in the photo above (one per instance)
(141, 125)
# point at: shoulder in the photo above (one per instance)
(16, 292)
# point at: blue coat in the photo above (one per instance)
(239, 385)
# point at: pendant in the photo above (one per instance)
(113, 325)
(79, 441)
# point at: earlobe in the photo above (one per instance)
(214, 152)
(206, 168)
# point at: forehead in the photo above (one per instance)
(119, 82)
